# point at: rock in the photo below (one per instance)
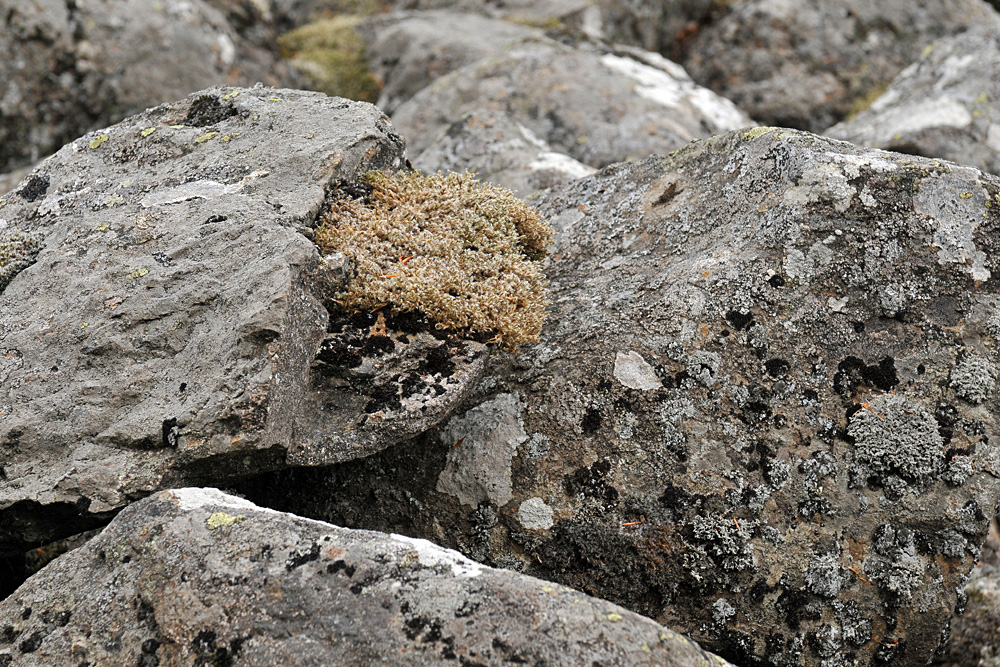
(742, 419)
(502, 151)
(170, 315)
(807, 64)
(596, 106)
(74, 67)
(944, 105)
(974, 639)
(194, 576)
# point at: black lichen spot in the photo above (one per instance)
(793, 605)
(353, 189)
(34, 188)
(921, 369)
(853, 373)
(26, 614)
(740, 321)
(376, 345)
(946, 417)
(207, 110)
(589, 482)
(437, 361)
(777, 280)
(591, 421)
(31, 643)
(859, 327)
(777, 368)
(171, 432)
(340, 566)
(300, 558)
(8, 634)
(674, 498)
(204, 646)
(384, 397)
(341, 351)
(216, 218)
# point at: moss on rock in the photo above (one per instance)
(331, 55)
(465, 254)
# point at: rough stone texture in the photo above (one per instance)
(741, 413)
(173, 323)
(945, 105)
(409, 50)
(806, 64)
(975, 641)
(194, 576)
(499, 150)
(71, 67)
(596, 106)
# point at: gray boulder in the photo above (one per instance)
(597, 106)
(73, 67)
(763, 411)
(974, 639)
(194, 576)
(502, 151)
(807, 64)
(944, 105)
(166, 317)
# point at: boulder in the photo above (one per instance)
(73, 67)
(944, 105)
(762, 412)
(596, 105)
(502, 151)
(193, 576)
(807, 64)
(165, 315)
(974, 640)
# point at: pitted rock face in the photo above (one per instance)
(811, 450)
(166, 316)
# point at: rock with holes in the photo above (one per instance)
(72, 67)
(596, 104)
(165, 315)
(763, 410)
(944, 105)
(809, 64)
(194, 576)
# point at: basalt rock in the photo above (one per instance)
(165, 316)
(763, 411)
(194, 576)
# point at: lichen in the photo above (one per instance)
(331, 54)
(974, 378)
(825, 576)
(17, 252)
(893, 436)
(464, 254)
(220, 519)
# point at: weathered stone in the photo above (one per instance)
(499, 151)
(193, 576)
(172, 319)
(598, 106)
(73, 67)
(975, 641)
(743, 414)
(944, 105)
(807, 64)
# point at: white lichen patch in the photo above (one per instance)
(825, 576)
(431, 555)
(957, 212)
(826, 184)
(564, 164)
(894, 436)
(483, 442)
(535, 514)
(974, 378)
(635, 372)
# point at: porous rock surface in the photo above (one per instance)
(596, 105)
(193, 576)
(945, 105)
(750, 415)
(499, 150)
(168, 317)
(71, 67)
(806, 64)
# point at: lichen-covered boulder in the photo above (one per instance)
(73, 67)
(763, 411)
(944, 105)
(596, 105)
(193, 576)
(974, 638)
(499, 150)
(165, 314)
(808, 64)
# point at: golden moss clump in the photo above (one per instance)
(465, 254)
(331, 54)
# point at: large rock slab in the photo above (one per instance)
(72, 67)
(807, 64)
(763, 410)
(596, 106)
(944, 105)
(194, 576)
(166, 310)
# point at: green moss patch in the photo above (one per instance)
(466, 255)
(331, 54)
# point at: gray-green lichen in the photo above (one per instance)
(17, 252)
(825, 576)
(893, 436)
(974, 378)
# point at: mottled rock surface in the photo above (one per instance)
(73, 67)
(502, 151)
(945, 105)
(194, 576)
(596, 106)
(751, 415)
(806, 64)
(975, 633)
(169, 319)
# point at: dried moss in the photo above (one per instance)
(331, 54)
(464, 254)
